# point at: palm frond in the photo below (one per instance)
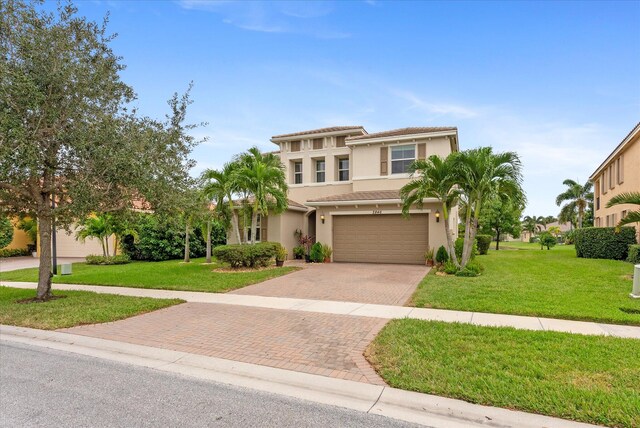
(625, 198)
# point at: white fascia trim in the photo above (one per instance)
(325, 183)
(312, 136)
(365, 202)
(302, 210)
(615, 152)
(381, 212)
(382, 177)
(396, 138)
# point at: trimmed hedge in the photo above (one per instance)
(484, 241)
(247, 255)
(634, 254)
(120, 259)
(604, 242)
(459, 247)
(14, 252)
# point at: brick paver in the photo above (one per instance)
(346, 282)
(323, 344)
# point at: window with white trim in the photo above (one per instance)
(343, 169)
(297, 172)
(320, 170)
(401, 158)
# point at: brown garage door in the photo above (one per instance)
(385, 238)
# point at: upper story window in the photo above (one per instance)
(343, 169)
(320, 171)
(318, 143)
(297, 172)
(401, 158)
(295, 146)
(340, 141)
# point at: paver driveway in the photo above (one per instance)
(348, 282)
(324, 344)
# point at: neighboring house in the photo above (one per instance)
(564, 227)
(344, 190)
(619, 173)
(20, 239)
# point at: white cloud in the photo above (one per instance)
(435, 108)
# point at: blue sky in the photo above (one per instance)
(557, 82)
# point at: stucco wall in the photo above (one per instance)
(20, 238)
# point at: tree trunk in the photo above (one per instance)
(580, 214)
(450, 244)
(187, 259)
(115, 245)
(467, 234)
(209, 241)
(254, 226)
(497, 239)
(44, 272)
(470, 234)
(106, 246)
(104, 250)
(235, 223)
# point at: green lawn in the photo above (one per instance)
(77, 308)
(591, 379)
(169, 275)
(549, 283)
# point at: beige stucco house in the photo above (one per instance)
(618, 173)
(344, 190)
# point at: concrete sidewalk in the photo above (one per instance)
(425, 409)
(363, 309)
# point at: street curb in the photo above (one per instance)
(394, 403)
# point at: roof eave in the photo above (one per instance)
(278, 140)
(374, 140)
(623, 144)
(364, 202)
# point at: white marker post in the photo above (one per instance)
(635, 293)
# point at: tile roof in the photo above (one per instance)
(320, 131)
(404, 131)
(373, 195)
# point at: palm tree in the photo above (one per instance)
(481, 174)
(578, 197)
(627, 198)
(434, 178)
(99, 227)
(262, 178)
(568, 215)
(530, 224)
(220, 187)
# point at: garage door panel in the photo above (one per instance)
(380, 238)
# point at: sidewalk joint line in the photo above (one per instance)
(377, 399)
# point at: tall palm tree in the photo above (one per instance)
(627, 198)
(530, 224)
(263, 179)
(578, 196)
(433, 178)
(99, 227)
(482, 174)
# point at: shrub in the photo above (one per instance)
(533, 240)
(483, 242)
(120, 259)
(459, 246)
(6, 231)
(475, 267)
(247, 255)
(604, 242)
(466, 272)
(634, 254)
(569, 237)
(315, 254)
(442, 256)
(449, 267)
(298, 252)
(281, 253)
(547, 240)
(161, 239)
(327, 251)
(14, 252)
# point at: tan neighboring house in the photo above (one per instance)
(618, 173)
(344, 190)
(564, 228)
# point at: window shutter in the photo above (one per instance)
(422, 151)
(621, 169)
(340, 141)
(384, 161)
(611, 182)
(295, 146)
(317, 143)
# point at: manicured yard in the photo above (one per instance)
(77, 308)
(549, 283)
(169, 275)
(586, 378)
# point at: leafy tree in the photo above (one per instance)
(547, 240)
(6, 231)
(66, 132)
(481, 175)
(577, 198)
(261, 177)
(499, 217)
(627, 198)
(434, 177)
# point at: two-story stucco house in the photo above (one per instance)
(618, 173)
(344, 189)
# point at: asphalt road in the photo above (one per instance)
(40, 387)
